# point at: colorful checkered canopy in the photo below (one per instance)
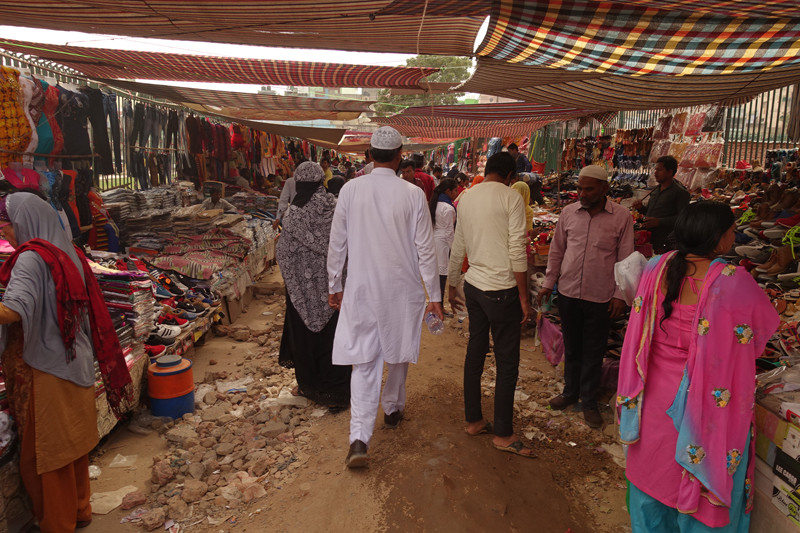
(633, 38)
(619, 93)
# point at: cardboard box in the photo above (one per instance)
(786, 486)
(771, 426)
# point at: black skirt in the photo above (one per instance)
(311, 355)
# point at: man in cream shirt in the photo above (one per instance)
(491, 232)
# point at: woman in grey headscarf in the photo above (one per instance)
(55, 323)
(310, 324)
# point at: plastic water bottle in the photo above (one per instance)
(435, 325)
(462, 314)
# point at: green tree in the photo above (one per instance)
(454, 70)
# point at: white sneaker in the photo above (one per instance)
(168, 332)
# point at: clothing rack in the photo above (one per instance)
(34, 154)
(155, 149)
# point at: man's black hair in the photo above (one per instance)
(501, 163)
(407, 163)
(513, 146)
(383, 156)
(669, 162)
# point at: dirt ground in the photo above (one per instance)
(426, 475)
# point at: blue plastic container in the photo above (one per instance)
(174, 408)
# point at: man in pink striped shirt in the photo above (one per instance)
(591, 236)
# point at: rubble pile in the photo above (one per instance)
(248, 434)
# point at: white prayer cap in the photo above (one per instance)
(594, 171)
(386, 138)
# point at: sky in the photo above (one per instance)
(217, 49)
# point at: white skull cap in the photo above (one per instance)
(386, 138)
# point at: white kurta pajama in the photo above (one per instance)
(382, 227)
(444, 234)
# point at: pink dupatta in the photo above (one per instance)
(713, 409)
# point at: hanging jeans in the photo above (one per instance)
(112, 116)
(172, 130)
(97, 118)
(150, 135)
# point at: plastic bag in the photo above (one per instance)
(660, 149)
(552, 340)
(703, 177)
(661, 130)
(689, 156)
(695, 124)
(677, 149)
(685, 176)
(123, 461)
(678, 125)
(628, 273)
(708, 154)
(715, 117)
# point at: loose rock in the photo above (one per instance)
(153, 519)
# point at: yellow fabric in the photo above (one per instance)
(7, 316)
(328, 175)
(525, 191)
(66, 421)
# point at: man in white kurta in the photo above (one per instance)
(382, 229)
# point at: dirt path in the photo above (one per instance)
(426, 475)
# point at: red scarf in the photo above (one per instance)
(75, 299)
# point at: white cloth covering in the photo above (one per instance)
(444, 233)
(365, 395)
(382, 227)
(287, 196)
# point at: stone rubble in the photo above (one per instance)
(237, 445)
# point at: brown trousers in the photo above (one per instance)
(60, 497)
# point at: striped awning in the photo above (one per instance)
(450, 26)
(127, 64)
(500, 112)
(619, 93)
(250, 106)
(478, 120)
(636, 39)
(446, 127)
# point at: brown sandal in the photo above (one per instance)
(516, 448)
(488, 428)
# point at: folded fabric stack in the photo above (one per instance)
(206, 220)
(184, 220)
(161, 222)
(129, 297)
(271, 205)
(163, 197)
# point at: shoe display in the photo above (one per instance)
(167, 331)
(157, 340)
(154, 351)
(170, 320)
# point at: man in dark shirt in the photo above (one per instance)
(666, 203)
(523, 165)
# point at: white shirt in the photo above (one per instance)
(287, 195)
(382, 228)
(444, 233)
(491, 232)
(366, 170)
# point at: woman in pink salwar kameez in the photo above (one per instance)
(687, 381)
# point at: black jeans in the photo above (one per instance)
(443, 286)
(500, 312)
(585, 326)
(97, 117)
(110, 110)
